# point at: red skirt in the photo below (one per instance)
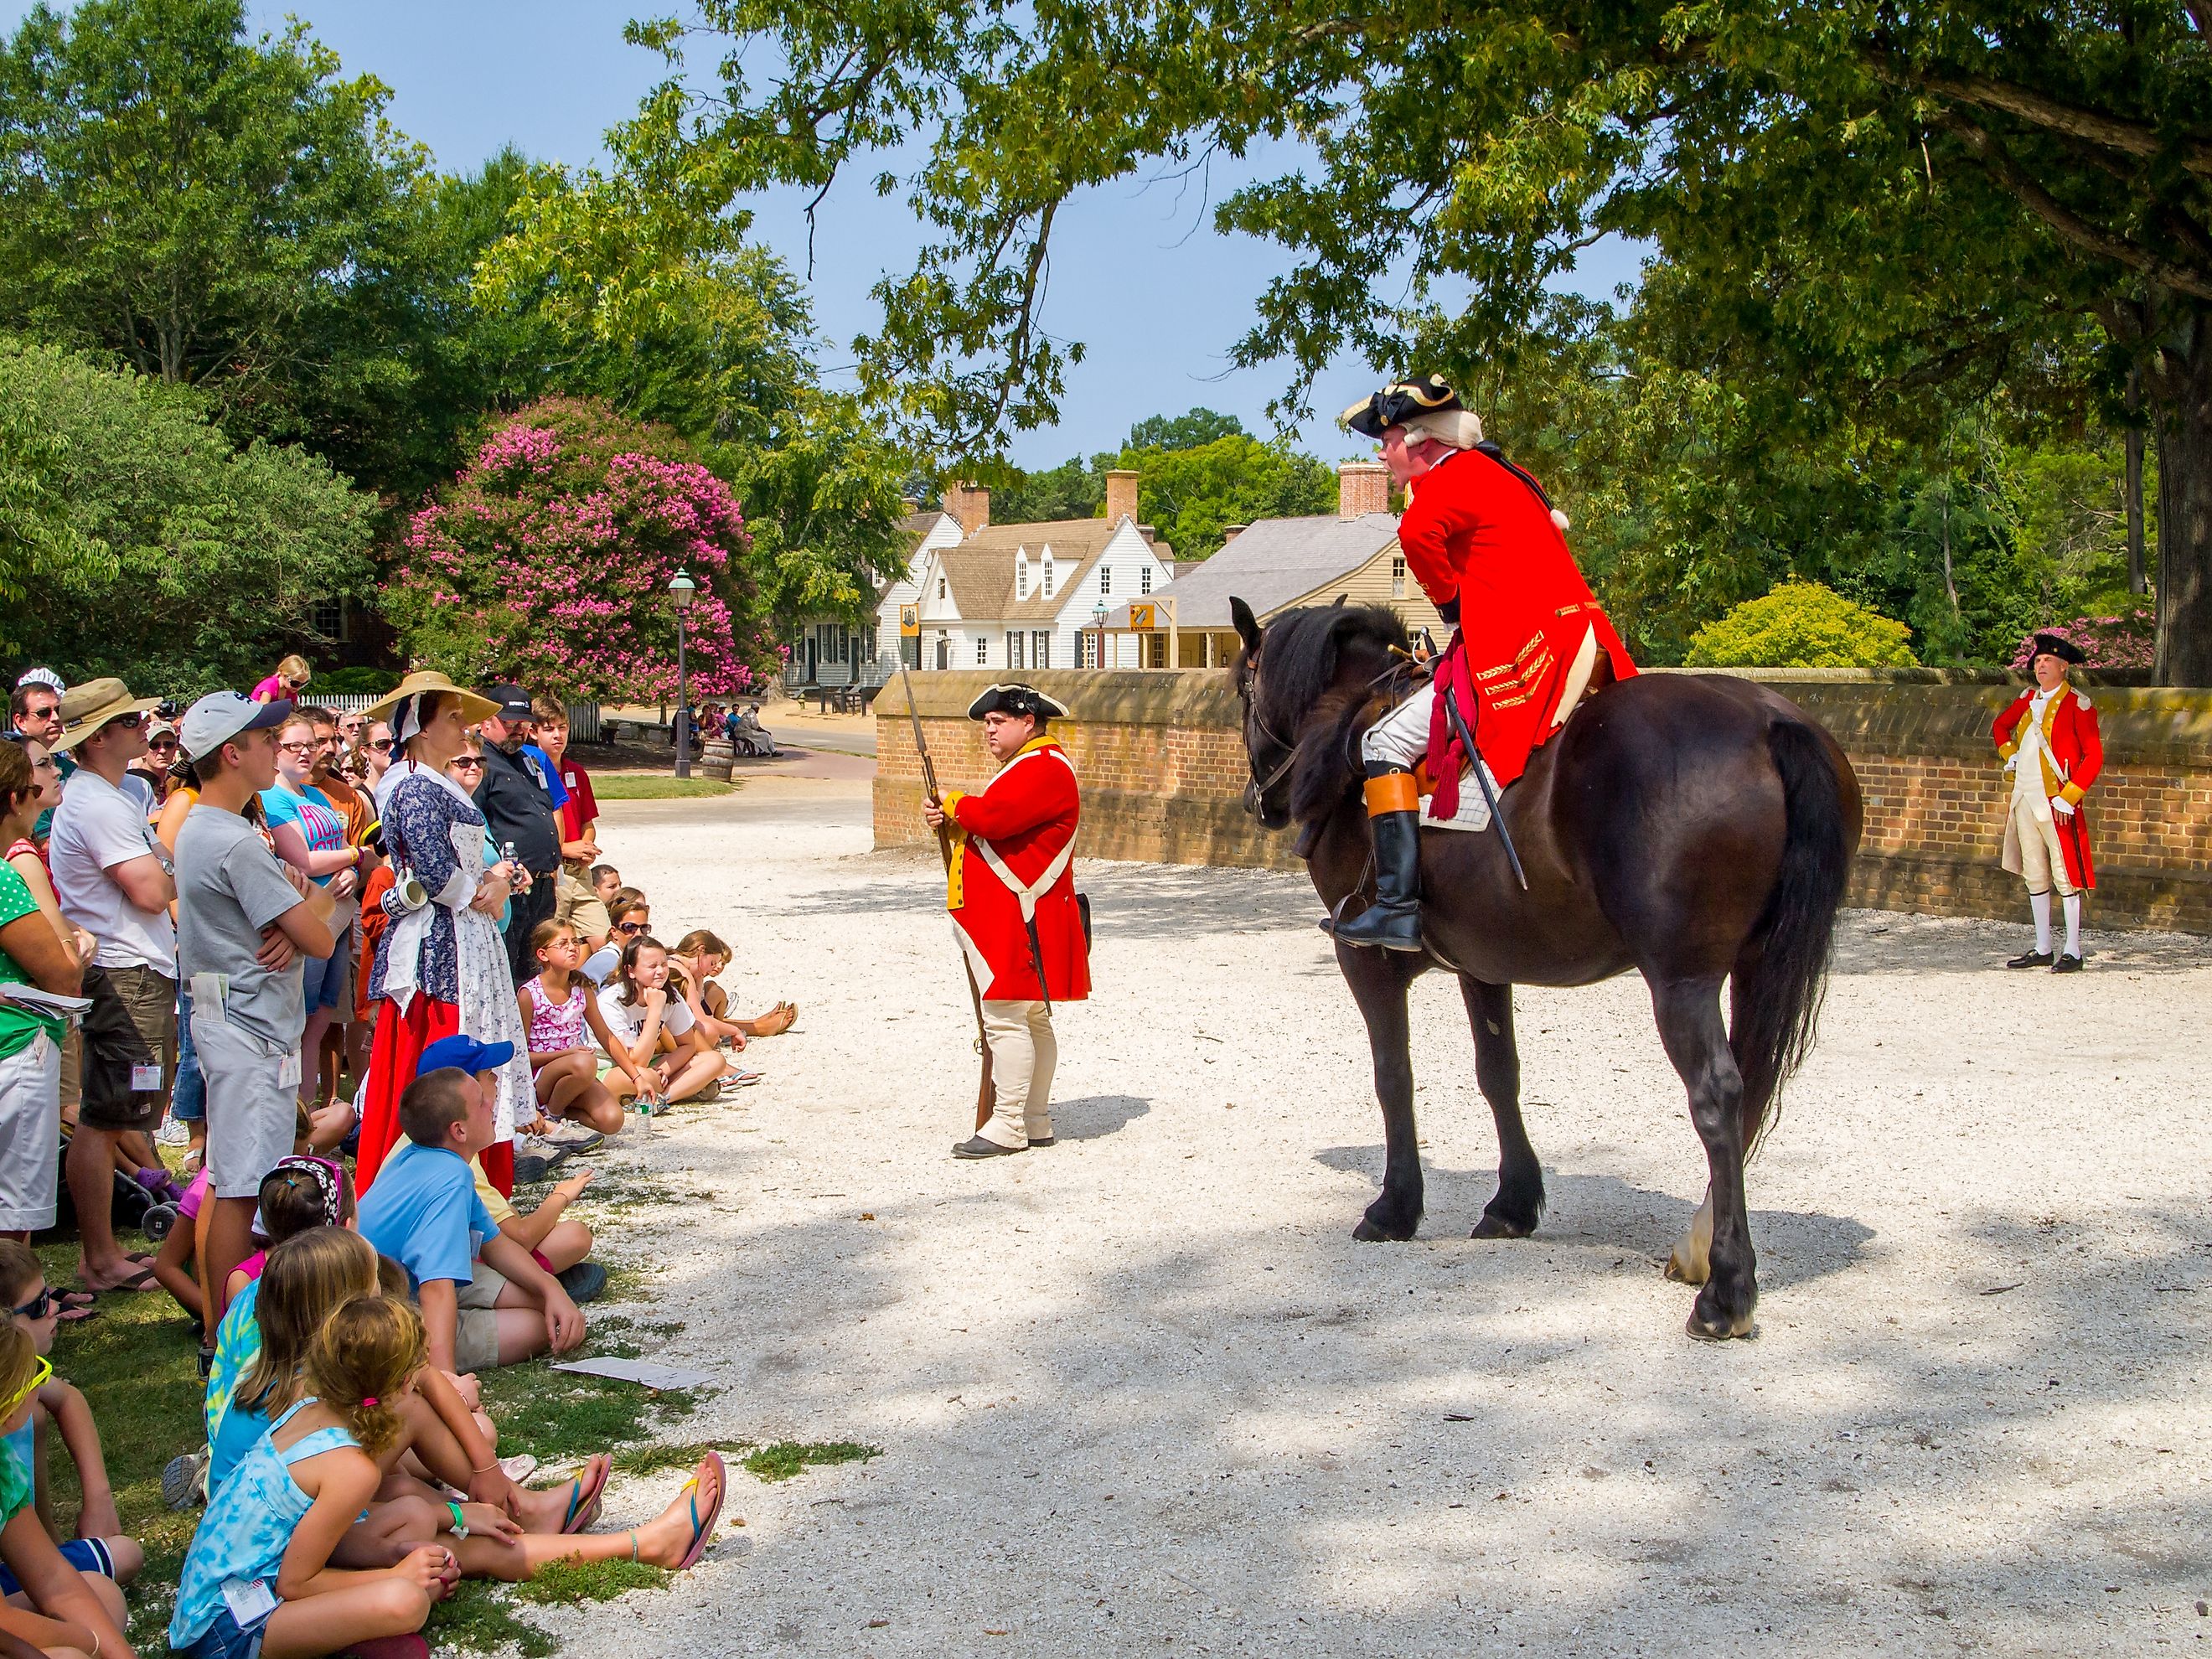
(393, 1058)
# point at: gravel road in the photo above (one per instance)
(1141, 1392)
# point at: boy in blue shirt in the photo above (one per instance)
(484, 1301)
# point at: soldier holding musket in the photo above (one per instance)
(1010, 886)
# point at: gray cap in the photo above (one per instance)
(218, 717)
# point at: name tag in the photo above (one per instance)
(144, 1077)
(250, 1600)
(288, 1071)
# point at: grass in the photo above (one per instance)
(649, 786)
(559, 1415)
(786, 1458)
(571, 1581)
(479, 1615)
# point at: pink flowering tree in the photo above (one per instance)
(546, 563)
(2128, 640)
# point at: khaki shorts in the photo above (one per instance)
(476, 1327)
(575, 903)
(253, 1097)
(129, 1049)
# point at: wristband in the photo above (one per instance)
(460, 1522)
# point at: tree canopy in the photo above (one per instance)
(160, 551)
(1886, 213)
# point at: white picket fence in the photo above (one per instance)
(583, 717)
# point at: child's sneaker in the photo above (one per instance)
(183, 1483)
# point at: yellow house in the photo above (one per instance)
(1273, 566)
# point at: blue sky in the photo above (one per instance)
(1138, 274)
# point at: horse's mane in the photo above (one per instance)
(1300, 654)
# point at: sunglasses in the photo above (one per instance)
(466, 761)
(382, 746)
(130, 722)
(629, 928)
(38, 1306)
(163, 743)
(40, 1378)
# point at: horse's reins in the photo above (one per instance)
(1390, 670)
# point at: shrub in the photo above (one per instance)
(355, 682)
(547, 564)
(1801, 625)
(2129, 640)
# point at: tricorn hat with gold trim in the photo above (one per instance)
(1016, 700)
(1394, 405)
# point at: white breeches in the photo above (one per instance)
(1023, 1054)
(1401, 738)
(2042, 862)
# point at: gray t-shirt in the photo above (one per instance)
(229, 887)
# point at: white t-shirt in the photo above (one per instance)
(627, 1023)
(96, 828)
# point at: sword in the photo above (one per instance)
(983, 1100)
(1482, 777)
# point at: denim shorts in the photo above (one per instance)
(223, 1639)
(188, 1100)
(323, 979)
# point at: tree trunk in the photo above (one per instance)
(2138, 580)
(2181, 414)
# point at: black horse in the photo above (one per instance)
(1697, 827)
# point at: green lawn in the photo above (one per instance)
(653, 785)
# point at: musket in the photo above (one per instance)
(984, 1102)
(1482, 777)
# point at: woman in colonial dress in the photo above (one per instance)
(440, 968)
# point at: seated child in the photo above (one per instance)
(260, 1576)
(423, 1212)
(59, 1607)
(174, 1263)
(698, 958)
(556, 1009)
(97, 1542)
(308, 1277)
(669, 1056)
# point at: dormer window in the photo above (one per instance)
(1021, 575)
(940, 587)
(1047, 573)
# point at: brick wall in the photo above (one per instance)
(1163, 773)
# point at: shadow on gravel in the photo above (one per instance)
(1604, 1211)
(1095, 1117)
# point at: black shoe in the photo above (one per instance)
(530, 1169)
(979, 1147)
(1394, 920)
(584, 1282)
(1043, 1140)
(2030, 959)
(2066, 964)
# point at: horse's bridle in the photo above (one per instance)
(1390, 671)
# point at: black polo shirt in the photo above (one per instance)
(518, 807)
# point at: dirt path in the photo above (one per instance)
(1141, 1392)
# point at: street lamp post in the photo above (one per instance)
(1098, 614)
(682, 590)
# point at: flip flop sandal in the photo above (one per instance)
(701, 1532)
(144, 1279)
(583, 1504)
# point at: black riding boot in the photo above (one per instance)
(1394, 812)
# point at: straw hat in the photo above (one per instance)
(474, 707)
(85, 709)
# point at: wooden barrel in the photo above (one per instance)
(716, 757)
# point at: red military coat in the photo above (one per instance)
(1017, 837)
(1476, 532)
(2073, 756)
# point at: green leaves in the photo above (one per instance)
(148, 546)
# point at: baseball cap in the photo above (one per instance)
(218, 717)
(514, 701)
(464, 1053)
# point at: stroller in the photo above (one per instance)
(749, 737)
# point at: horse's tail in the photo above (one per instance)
(1780, 985)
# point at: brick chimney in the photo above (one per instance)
(970, 506)
(1229, 532)
(1120, 495)
(1362, 487)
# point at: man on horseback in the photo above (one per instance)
(1482, 540)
